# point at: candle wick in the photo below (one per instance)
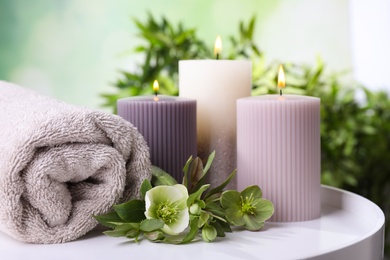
(217, 56)
(280, 91)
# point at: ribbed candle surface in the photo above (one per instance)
(168, 126)
(216, 85)
(278, 148)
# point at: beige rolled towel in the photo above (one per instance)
(61, 164)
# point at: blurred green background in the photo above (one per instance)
(73, 50)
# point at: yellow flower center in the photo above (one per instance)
(247, 206)
(167, 212)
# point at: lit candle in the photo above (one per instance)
(217, 47)
(281, 80)
(168, 125)
(278, 148)
(216, 85)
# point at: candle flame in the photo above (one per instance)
(281, 78)
(217, 46)
(156, 86)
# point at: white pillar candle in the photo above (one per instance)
(216, 85)
(278, 148)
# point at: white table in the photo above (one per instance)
(350, 227)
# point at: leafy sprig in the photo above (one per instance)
(179, 213)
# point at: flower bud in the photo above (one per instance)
(132, 233)
(209, 233)
(154, 236)
(195, 209)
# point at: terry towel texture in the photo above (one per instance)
(61, 164)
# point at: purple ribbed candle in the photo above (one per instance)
(168, 126)
(278, 148)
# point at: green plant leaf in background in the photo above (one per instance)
(164, 44)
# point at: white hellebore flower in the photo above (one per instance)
(168, 203)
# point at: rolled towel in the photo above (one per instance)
(61, 164)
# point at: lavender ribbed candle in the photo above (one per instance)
(278, 148)
(168, 126)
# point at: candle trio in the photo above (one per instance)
(272, 140)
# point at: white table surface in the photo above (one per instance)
(350, 227)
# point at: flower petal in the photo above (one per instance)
(163, 194)
(264, 210)
(182, 202)
(251, 223)
(252, 191)
(234, 216)
(231, 199)
(179, 225)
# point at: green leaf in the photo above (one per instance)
(203, 218)
(131, 211)
(196, 172)
(222, 185)
(225, 226)
(213, 198)
(215, 209)
(134, 233)
(130, 77)
(145, 186)
(196, 195)
(113, 233)
(201, 203)
(193, 231)
(139, 25)
(109, 219)
(140, 49)
(209, 162)
(256, 50)
(149, 225)
(251, 27)
(160, 177)
(122, 230)
(185, 172)
(221, 227)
